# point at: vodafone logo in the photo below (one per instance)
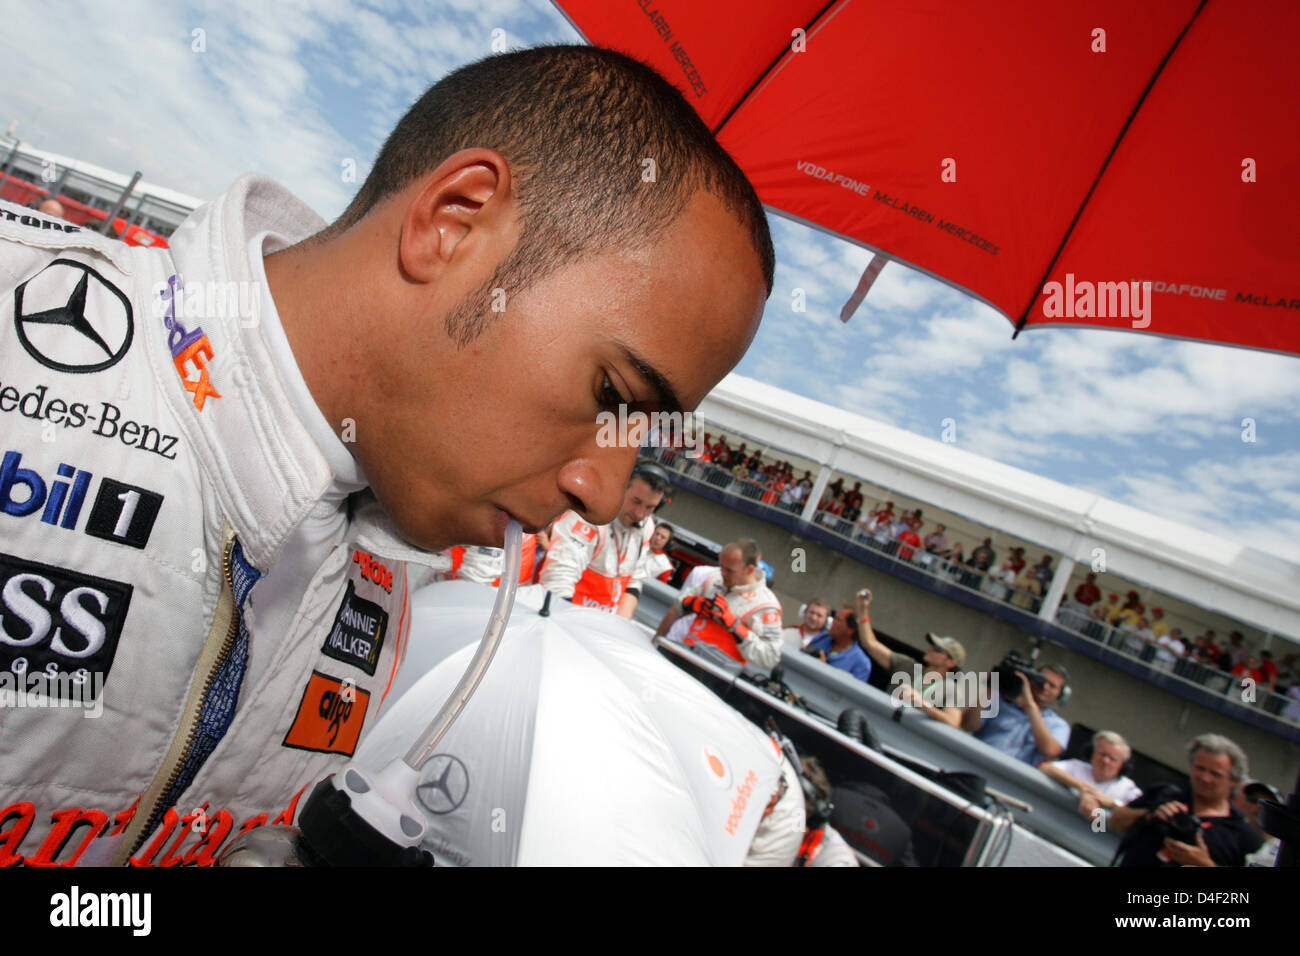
(719, 771)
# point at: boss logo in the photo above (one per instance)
(55, 620)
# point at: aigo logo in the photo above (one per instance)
(718, 769)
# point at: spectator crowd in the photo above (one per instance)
(1013, 580)
(1218, 794)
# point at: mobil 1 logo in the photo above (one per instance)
(59, 621)
(121, 513)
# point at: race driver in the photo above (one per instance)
(734, 610)
(188, 541)
(605, 566)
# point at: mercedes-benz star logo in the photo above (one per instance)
(444, 784)
(86, 330)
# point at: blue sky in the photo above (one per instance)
(296, 89)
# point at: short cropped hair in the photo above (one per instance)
(748, 548)
(583, 129)
(1112, 738)
(1220, 745)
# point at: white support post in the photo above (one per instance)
(1052, 599)
(814, 496)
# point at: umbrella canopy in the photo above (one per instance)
(1024, 153)
(581, 746)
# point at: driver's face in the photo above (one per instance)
(458, 437)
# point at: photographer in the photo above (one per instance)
(1025, 726)
(1171, 827)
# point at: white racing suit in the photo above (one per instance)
(484, 565)
(595, 565)
(755, 606)
(153, 472)
(658, 566)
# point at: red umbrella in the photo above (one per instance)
(1046, 158)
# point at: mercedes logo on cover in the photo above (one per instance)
(71, 319)
(444, 784)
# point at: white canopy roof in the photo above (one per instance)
(1202, 568)
(110, 176)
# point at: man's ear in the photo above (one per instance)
(464, 202)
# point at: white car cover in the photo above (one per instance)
(582, 745)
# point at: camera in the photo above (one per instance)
(1182, 827)
(1009, 670)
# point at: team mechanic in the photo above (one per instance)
(186, 526)
(734, 610)
(484, 565)
(605, 566)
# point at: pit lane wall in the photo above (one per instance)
(1106, 691)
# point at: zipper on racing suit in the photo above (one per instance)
(216, 650)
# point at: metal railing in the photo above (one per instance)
(1156, 658)
(985, 583)
(952, 572)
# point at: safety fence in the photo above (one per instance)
(987, 583)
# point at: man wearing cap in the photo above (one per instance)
(1104, 612)
(1087, 594)
(945, 656)
(1159, 626)
(1246, 801)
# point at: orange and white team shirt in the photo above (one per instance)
(484, 565)
(755, 606)
(595, 565)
